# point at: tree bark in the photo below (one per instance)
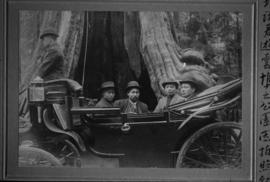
(160, 51)
(29, 41)
(132, 41)
(70, 38)
(122, 65)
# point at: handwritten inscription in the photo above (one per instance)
(265, 165)
(265, 79)
(266, 3)
(266, 17)
(263, 137)
(264, 151)
(265, 45)
(264, 179)
(265, 119)
(266, 61)
(266, 95)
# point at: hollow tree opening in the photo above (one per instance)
(110, 51)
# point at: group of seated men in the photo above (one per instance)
(175, 92)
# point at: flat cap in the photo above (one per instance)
(107, 85)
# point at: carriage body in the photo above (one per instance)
(137, 140)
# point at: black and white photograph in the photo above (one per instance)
(130, 89)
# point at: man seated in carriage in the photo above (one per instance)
(107, 95)
(172, 97)
(132, 104)
(190, 86)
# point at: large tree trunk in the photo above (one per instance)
(132, 34)
(70, 37)
(160, 51)
(123, 71)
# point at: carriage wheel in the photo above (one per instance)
(218, 145)
(68, 154)
(32, 156)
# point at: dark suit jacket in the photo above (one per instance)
(103, 103)
(52, 63)
(123, 103)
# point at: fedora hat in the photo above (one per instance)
(196, 79)
(107, 85)
(132, 84)
(48, 31)
(170, 81)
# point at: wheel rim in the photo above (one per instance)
(218, 145)
(32, 156)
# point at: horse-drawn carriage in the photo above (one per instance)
(202, 132)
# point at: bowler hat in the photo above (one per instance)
(196, 79)
(107, 85)
(132, 84)
(170, 81)
(49, 31)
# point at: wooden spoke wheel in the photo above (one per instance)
(218, 145)
(68, 154)
(32, 156)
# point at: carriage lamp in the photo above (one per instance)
(36, 92)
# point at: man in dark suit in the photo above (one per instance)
(170, 86)
(52, 60)
(50, 67)
(192, 84)
(132, 104)
(108, 94)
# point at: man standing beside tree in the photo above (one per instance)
(52, 60)
(50, 67)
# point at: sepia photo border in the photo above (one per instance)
(11, 171)
(2, 86)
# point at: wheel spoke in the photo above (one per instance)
(69, 154)
(205, 152)
(211, 146)
(64, 148)
(201, 163)
(217, 145)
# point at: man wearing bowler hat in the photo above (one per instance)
(132, 104)
(170, 86)
(108, 93)
(52, 59)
